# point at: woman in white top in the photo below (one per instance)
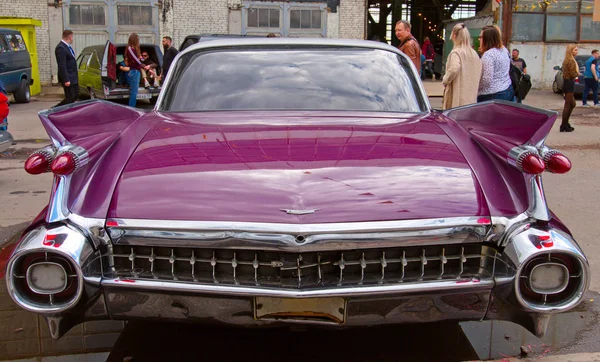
(495, 79)
(463, 70)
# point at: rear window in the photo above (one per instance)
(293, 79)
(15, 42)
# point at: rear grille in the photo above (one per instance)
(303, 270)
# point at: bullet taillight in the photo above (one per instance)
(40, 161)
(531, 164)
(62, 162)
(556, 162)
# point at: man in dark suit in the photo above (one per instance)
(67, 68)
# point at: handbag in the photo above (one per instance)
(521, 83)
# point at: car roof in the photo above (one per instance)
(11, 31)
(301, 42)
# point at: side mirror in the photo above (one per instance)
(556, 67)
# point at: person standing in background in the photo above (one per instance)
(463, 70)
(570, 71)
(170, 54)
(132, 59)
(520, 64)
(408, 44)
(590, 77)
(429, 53)
(67, 68)
(495, 79)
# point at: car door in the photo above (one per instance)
(85, 79)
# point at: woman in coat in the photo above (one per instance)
(570, 70)
(463, 70)
(495, 79)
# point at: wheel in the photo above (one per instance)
(92, 93)
(555, 88)
(22, 94)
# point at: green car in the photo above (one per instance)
(97, 70)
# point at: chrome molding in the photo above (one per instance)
(297, 237)
(521, 250)
(503, 228)
(93, 227)
(74, 247)
(463, 285)
(538, 209)
(57, 208)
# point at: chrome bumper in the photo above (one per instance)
(104, 293)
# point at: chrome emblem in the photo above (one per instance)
(299, 212)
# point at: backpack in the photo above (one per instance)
(521, 83)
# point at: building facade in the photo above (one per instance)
(96, 21)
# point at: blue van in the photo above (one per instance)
(15, 65)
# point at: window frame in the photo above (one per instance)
(131, 26)
(284, 28)
(543, 10)
(92, 4)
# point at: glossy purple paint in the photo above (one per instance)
(350, 169)
(245, 166)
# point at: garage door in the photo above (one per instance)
(94, 22)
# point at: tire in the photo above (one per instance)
(555, 88)
(23, 94)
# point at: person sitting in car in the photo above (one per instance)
(122, 74)
(151, 73)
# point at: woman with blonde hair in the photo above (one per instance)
(570, 71)
(463, 70)
(133, 61)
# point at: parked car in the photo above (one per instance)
(282, 181)
(15, 65)
(557, 85)
(94, 80)
(6, 140)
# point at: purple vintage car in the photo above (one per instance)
(297, 181)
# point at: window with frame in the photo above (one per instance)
(83, 62)
(15, 42)
(87, 15)
(554, 21)
(263, 17)
(134, 15)
(305, 19)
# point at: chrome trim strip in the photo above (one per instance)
(420, 287)
(538, 209)
(57, 208)
(298, 237)
(370, 226)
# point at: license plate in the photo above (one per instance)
(328, 310)
(144, 96)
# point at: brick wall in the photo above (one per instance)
(352, 15)
(199, 16)
(37, 9)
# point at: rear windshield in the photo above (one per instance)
(293, 79)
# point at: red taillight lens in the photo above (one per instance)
(533, 164)
(37, 163)
(64, 164)
(558, 163)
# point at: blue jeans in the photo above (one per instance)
(508, 95)
(134, 83)
(590, 84)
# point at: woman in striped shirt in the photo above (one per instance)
(132, 59)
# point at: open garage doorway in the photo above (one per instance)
(425, 16)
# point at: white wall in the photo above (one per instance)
(333, 25)
(541, 58)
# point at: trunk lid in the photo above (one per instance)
(253, 167)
